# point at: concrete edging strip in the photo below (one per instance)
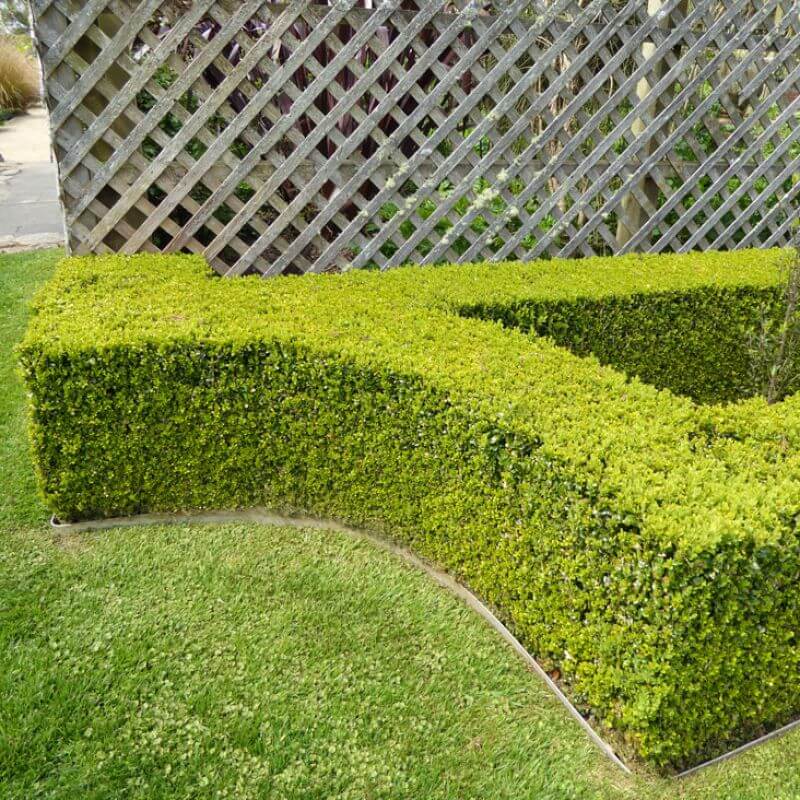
(269, 518)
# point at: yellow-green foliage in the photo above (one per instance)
(19, 77)
(641, 542)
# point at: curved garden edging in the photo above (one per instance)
(263, 516)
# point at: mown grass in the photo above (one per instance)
(241, 661)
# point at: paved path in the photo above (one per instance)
(30, 212)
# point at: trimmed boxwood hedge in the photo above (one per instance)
(643, 544)
(692, 343)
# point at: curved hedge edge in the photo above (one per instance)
(267, 517)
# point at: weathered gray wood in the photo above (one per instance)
(101, 65)
(158, 58)
(557, 87)
(601, 181)
(299, 107)
(212, 103)
(165, 104)
(587, 168)
(87, 16)
(715, 94)
(265, 94)
(337, 136)
(754, 150)
(634, 213)
(411, 121)
(763, 77)
(542, 61)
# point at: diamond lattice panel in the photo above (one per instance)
(297, 137)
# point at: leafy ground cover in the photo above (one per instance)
(240, 661)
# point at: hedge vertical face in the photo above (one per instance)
(695, 345)
(643, 543)
(301, 136)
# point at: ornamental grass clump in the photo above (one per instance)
(19, 78)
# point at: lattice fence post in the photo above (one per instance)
(632, 215)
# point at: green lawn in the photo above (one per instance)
(242, 661)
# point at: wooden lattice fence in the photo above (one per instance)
(295, 137)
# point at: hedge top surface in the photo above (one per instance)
(690, 475)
